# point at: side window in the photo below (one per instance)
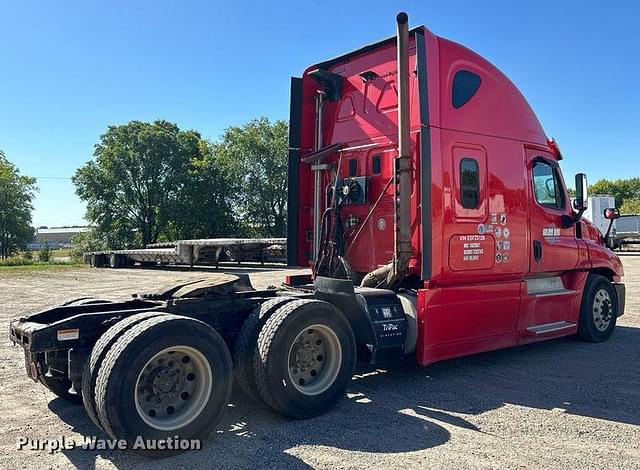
(377, 164)
(546, 185)
(469, 183)
(353, 167)
(465, 85)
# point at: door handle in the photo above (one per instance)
(537, 250)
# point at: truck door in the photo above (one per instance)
(553, 249)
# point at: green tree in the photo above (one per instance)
(139, 172)
(630, 206)
(205, 206)
(255, 159)
(44, 254)
(16, 204)
(90, 240)
(621, 189)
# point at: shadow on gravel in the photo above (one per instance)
(409, 409)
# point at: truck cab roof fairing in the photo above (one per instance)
(497, 96)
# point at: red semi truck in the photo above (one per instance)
(431, 206)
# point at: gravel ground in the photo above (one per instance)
(558, 404)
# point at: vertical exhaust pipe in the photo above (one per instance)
(317, 178)
(402, 188)
(393, 273)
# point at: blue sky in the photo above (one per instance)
(69, 69)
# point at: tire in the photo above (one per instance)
(246, 346)
(324, 368)
(97, 356)
(597, 310)
(116, 261)
(138, 372)
(98, 261)
(60, 387)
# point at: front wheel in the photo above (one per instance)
(306, 356)
(163, 377)
(598, 311)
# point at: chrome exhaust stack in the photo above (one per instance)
(403, 164)
(317, 177)
(393, 273)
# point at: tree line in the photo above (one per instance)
(151, 182)
(17, 193)
(625, 191)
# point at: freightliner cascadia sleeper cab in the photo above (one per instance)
(495, 253)
(430, 205)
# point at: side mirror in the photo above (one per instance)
(580, 202)
(611, 213)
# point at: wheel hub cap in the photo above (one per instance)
(173, 388)
(602, 310)
(315, 358)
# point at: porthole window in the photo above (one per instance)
(465, 86)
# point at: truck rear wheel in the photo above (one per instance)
(165, 376)
(598, 310)
(246, 345)
(306, 356)
(98, 353)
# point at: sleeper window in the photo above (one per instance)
(353, 167)
(546, 185)
(465, 86)
(469, 183)
(377, 164)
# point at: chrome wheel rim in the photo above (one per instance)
(173, 388)
(315, 358)
(602, 310)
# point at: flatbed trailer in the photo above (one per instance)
(626, 230)
(206, 251)
(447, 237)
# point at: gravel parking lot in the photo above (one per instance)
(559, 404)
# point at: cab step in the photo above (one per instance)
(545, 328)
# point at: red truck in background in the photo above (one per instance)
(431, 206)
